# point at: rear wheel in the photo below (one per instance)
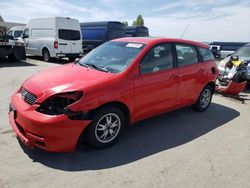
(106, 127)
(46, 55)
(204, 99)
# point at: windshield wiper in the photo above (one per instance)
(97, 67)
(82, 64)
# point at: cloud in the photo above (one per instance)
(22, 10)
(208, 20)
(214, 27)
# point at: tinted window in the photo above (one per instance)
(206, 54)
(158, 58)
(67, 34)
(186, 54)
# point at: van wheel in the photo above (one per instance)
(46, 55)
(204, 99)
(106, 127)
(71, 59)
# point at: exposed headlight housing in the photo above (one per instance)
(57, 104)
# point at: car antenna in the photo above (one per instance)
(184, 31)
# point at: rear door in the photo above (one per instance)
(69, 36)
(156, 86)
(192, 74)
(64, 41)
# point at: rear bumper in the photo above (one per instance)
(74, 55)
(51, 133)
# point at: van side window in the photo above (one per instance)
(26, 33)
(206, 54)
(158, 58)
(187, 54)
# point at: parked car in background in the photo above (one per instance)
(96, 33)
(216, 50)
(16, 32)
(243, 53)
(134, 31)
(119, 83)
(53, 37)
(227, 48)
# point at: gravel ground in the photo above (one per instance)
(178, 149)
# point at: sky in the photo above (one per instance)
(206, 21)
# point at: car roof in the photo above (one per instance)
(155, 40)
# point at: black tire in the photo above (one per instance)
(46, 55)
(204, 99)
(98, 128)
(71, 59)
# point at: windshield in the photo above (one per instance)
(112, 56)
(244, 51)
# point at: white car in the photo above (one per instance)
(53, 37)
(243, 53)
(15, 32)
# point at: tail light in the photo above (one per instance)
(55, 44)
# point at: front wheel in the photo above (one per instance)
(204, 99)
(106, 127)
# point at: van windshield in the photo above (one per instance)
(67, 34)
(112, 56)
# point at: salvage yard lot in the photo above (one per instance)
(179, 149)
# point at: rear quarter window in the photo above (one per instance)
(186, 54)
(206, 54)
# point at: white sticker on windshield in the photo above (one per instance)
(134, 45)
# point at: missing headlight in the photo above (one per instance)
(57, 104)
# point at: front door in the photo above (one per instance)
(156, 85)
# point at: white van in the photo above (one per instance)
(53, 37)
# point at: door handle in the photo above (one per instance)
(201, 70)
(173, 76)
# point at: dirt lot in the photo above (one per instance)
(179, 149)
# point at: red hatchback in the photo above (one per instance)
(119, 83)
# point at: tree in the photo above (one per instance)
(125, 23)
(139, 21)
(1, 19)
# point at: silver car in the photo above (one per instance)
(243, 53)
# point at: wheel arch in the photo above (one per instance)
(122, 106)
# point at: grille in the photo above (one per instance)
(28, 97)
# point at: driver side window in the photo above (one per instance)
(159, 58)
(26, 33)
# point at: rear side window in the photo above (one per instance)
(206, 54)
(158, 58)
(187, 54)
(67, 34)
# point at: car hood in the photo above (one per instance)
(64, 78)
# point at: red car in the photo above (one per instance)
(117, 84)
